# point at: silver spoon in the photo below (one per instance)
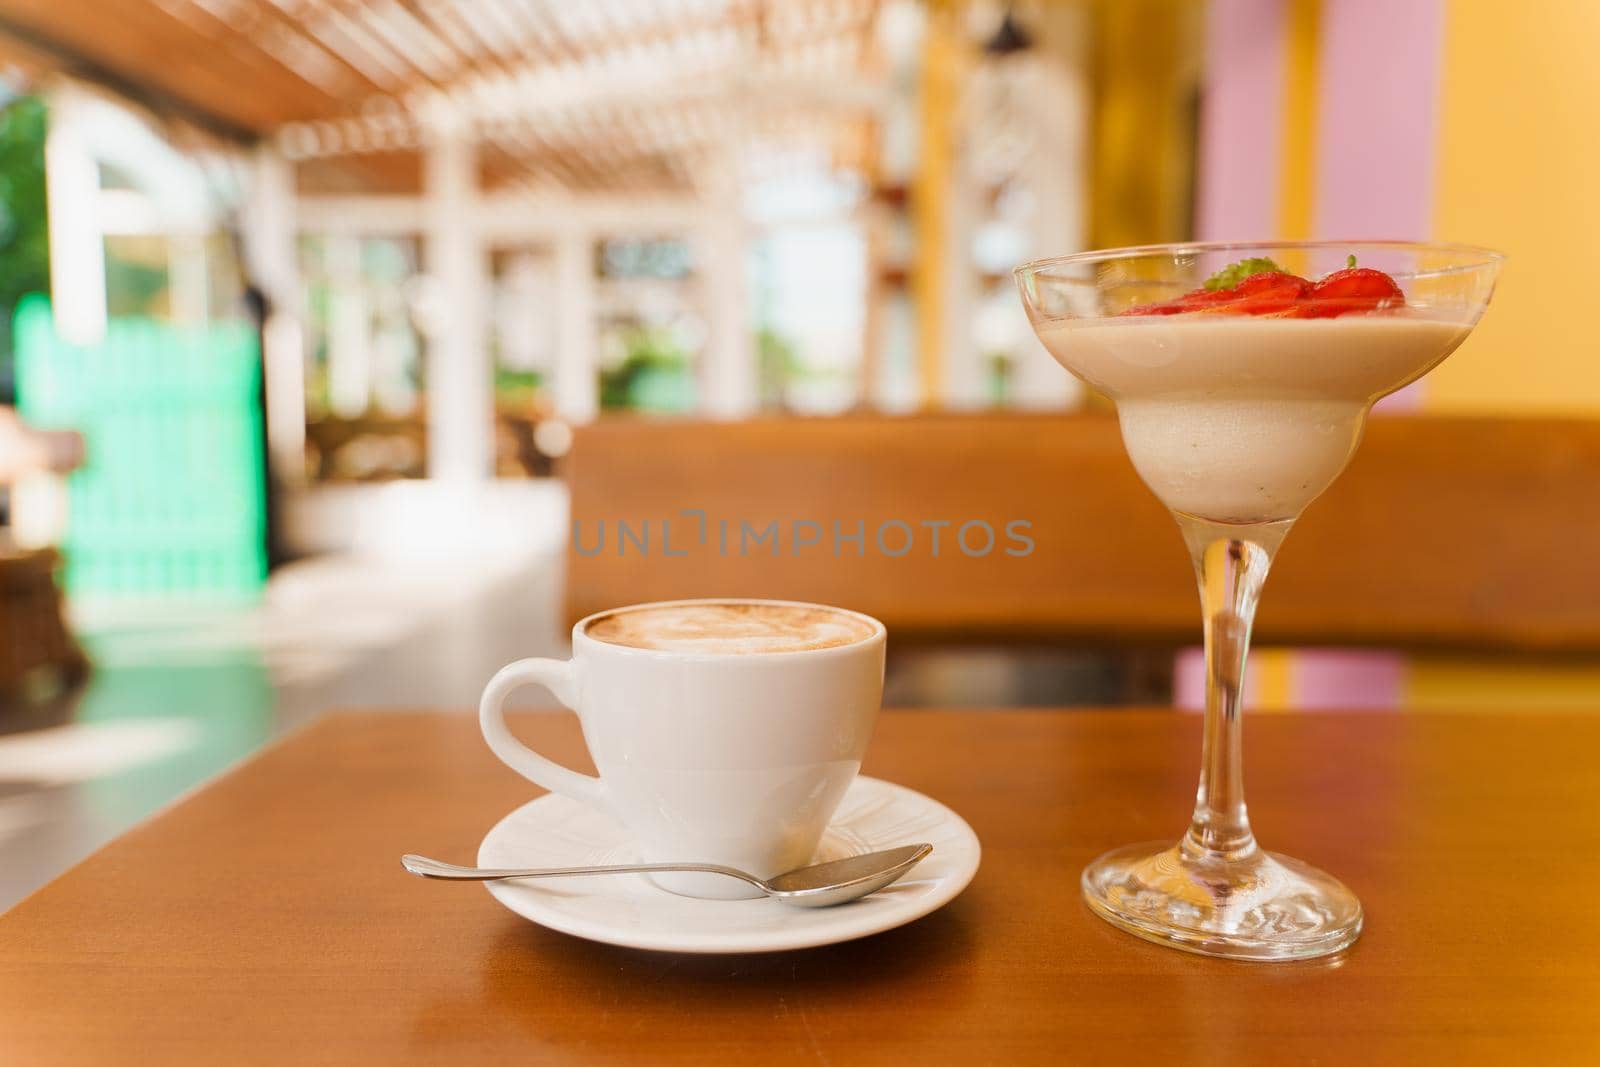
(817, 886)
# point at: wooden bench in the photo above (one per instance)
(1445, 533)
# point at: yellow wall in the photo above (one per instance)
(1486, 683)
(1519, 170)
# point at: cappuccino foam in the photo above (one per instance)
(730, 628)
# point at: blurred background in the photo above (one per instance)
(304, 302)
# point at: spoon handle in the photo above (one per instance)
(430, 868)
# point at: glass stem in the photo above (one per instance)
(1231, 564)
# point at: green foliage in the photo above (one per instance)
(653, 376)
(134, 287)
(24, 232)
(1001, 368)
(778, 364)
(517, 388)
(1234, 273)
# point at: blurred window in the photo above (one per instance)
(652, 332)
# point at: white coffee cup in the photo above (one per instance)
(731, 757)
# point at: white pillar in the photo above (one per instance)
(77, 247)
(269, 249)
(577, 340)
(459, 383)
(349, 329)
(966, 377)
(1059, 98)
(729, 375)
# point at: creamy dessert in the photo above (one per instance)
(1244, 418)
(1240, 401)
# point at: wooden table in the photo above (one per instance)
(266, 920)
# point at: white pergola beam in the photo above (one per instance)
(504, 217)
(557, 101)
(539, 99)
(371, 215)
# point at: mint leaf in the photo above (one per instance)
(1234, 273)
(1350, 262)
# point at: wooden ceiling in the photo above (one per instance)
(590, 94)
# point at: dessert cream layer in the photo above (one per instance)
(1237, 418)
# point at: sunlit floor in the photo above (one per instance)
(178, 693)
(178, 697)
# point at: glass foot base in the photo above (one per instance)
(1260, 906)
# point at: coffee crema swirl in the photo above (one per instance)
(730, 628)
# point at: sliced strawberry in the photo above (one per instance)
(1352, 289)
(1196, 299)
(1265, 293)
(1166, 307)
(1272, 292)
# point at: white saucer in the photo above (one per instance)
(628, 910)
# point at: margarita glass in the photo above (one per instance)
(1242, 376)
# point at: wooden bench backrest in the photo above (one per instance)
(1444, 532)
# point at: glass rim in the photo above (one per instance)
(1482, 256)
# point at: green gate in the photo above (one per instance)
(171, 497)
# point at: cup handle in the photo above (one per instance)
(558, 676)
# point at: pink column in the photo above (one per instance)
(1241, 121)
(1378, 101)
